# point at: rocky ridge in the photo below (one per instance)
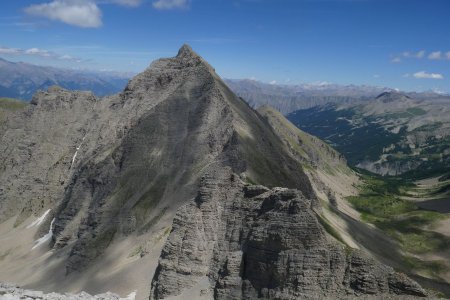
(115, 166)
(21, 80)
(254, 242)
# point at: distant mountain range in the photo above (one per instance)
(394, 133)
(21, 80)
(289, 98)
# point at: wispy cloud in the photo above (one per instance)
(171, 4)
(212, 40)
(439, 55)
(420, 54)
(426, 75)
(132, 3)
(435, 55)
(21, 25)
(398, 58)
(87, 13)
(81, 13)
(37, 52)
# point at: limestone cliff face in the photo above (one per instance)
(114, 166)
(36, 149)
(254, 242)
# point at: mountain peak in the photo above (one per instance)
(391, 96)
(186, 51)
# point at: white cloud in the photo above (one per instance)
(273, 82)
(9, 51)
(425, 75)
(419, 54)
(132, 3)
(398, 58)
(170, 4)
(376, 76)
(435, 55)
(82, 13)
(37, 52)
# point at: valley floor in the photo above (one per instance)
(414, 221)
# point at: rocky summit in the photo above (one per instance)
(93, 184)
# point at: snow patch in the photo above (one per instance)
(131, 296)
(39, 220)
(76, 152)
(75, 155)
(45, 238)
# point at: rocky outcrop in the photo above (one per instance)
(12, 292)
(254, 242)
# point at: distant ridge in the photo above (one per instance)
(21, 80)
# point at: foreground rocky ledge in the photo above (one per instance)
(12, 292)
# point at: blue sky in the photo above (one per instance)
(401, 44)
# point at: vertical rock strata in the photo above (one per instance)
(254, 242)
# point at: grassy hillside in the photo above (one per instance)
(394, 206)
(10, 105)
(312, 151)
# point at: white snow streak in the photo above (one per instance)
(39, 220)
(45, 238)
(76, 152)
(74, 156)
(131, 296)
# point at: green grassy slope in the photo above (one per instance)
(10, 105)
(382, 202)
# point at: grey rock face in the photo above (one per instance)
(114, 166)
(252, 242)
(36, 149)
